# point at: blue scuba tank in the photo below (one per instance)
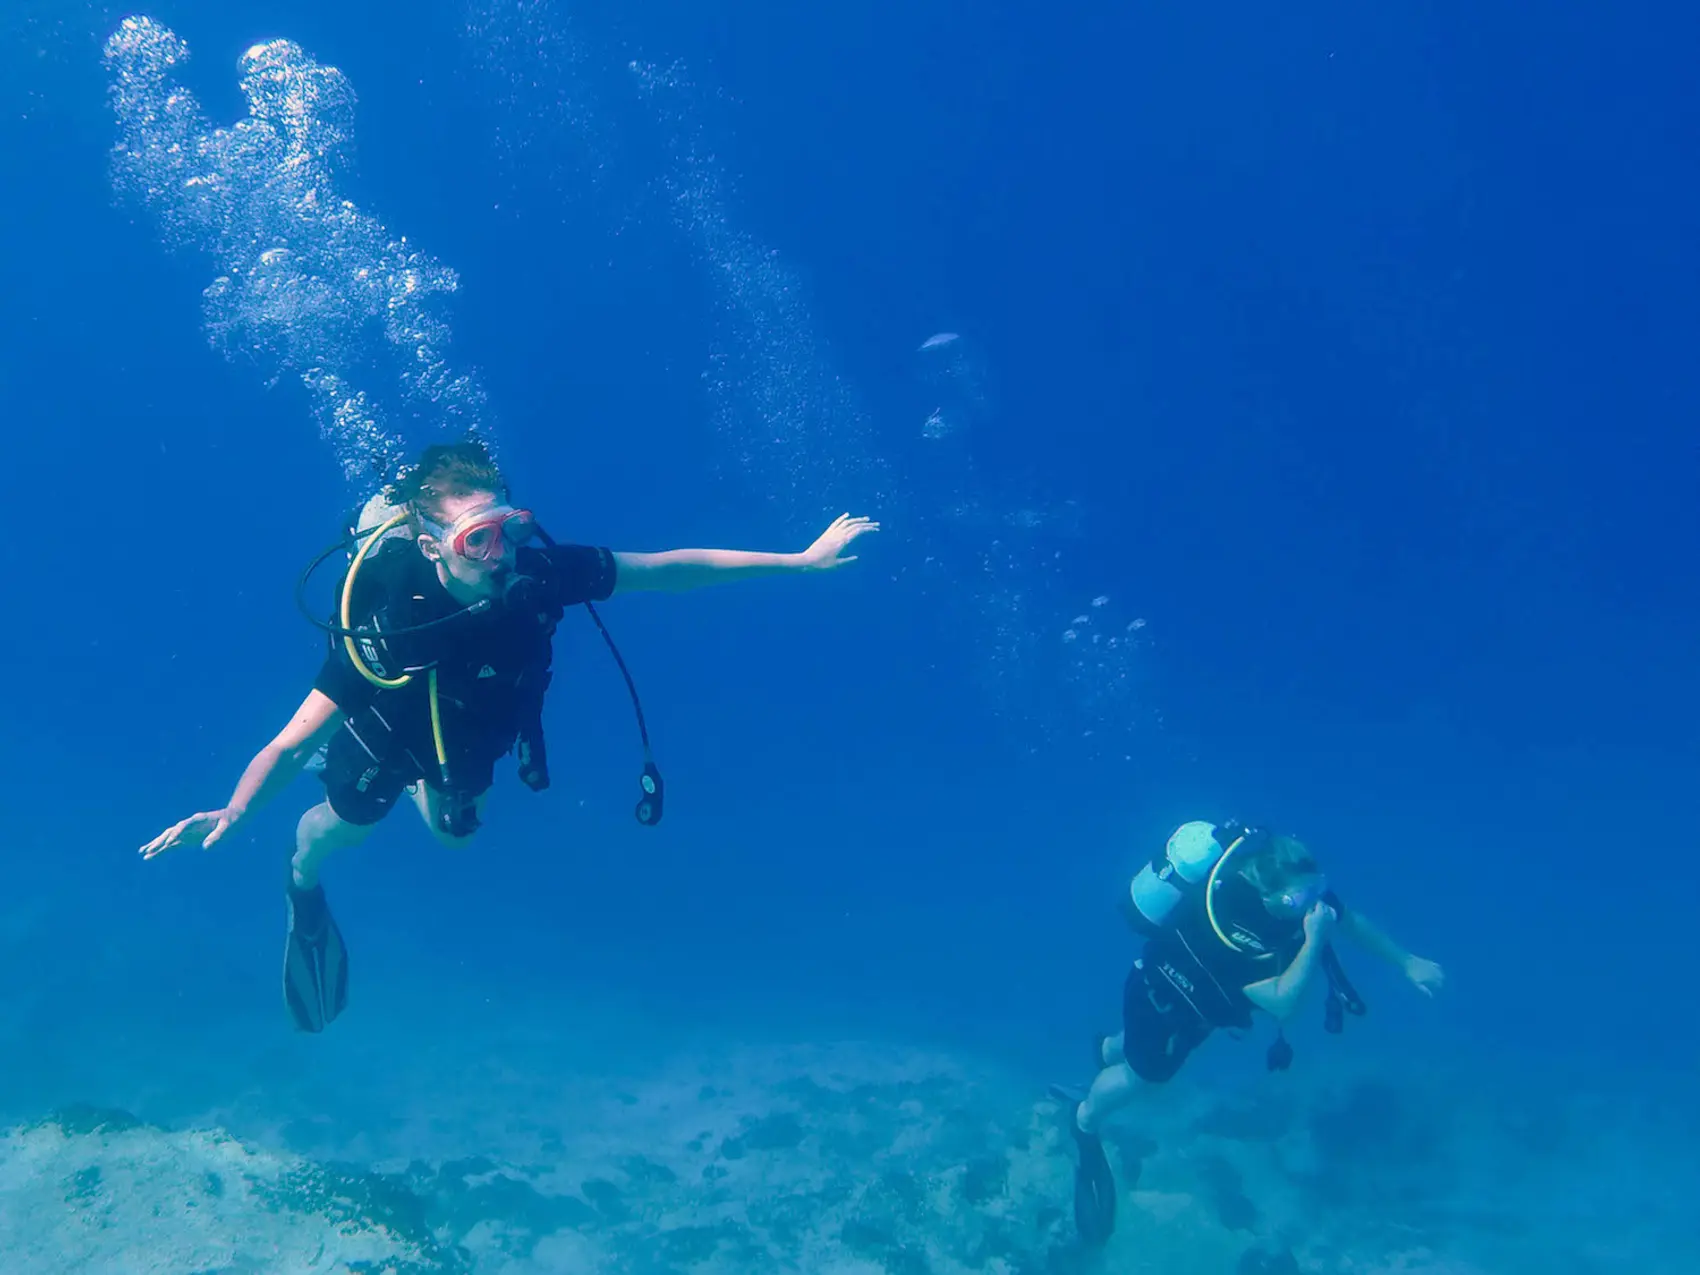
(1192, 851)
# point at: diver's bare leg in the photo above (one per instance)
(319, 834)
(1112, 1089)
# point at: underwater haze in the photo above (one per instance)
(1283, 415)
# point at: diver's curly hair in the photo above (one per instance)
(1278, 864)
(448, 469)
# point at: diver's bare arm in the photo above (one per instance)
(1280, 996)
(273, 767)
(1372, 939)
(678, 570)
(280, 761)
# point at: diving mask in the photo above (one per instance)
(1299, 898)
(485, 534)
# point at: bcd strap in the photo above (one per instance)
(532, 752)
(1343, 998)
(651, 792)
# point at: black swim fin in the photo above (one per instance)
(1094, 1191)
(1094, 1183)
(315, 962)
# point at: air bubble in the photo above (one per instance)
(307, 283)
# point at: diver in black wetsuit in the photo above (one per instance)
(437, 668)
(1235, 920)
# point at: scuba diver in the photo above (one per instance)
(1235, 919)
(438, 664)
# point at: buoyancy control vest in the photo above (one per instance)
(390, 645)
(1209, 934)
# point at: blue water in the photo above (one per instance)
(1347, 354)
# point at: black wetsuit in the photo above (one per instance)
(492, 671)
(1188, 982)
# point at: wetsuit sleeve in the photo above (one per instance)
(582, 573)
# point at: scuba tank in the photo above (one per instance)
(1191, 860)
(1192, 852)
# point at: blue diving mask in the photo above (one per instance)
(1299, 899)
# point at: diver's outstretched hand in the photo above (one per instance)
(203, 829)
(827, 551)
(1427, 977)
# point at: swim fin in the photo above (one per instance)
(1094, 1190)
(1094, 1182)
(315, 962)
